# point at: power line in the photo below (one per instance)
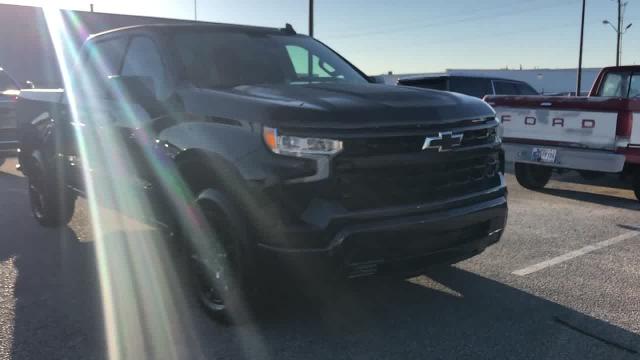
(467, 19)
(403, 25)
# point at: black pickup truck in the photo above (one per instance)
(264, 149)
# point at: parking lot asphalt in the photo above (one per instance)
(564, 283)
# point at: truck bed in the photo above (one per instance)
(586, 133)
(584, 122)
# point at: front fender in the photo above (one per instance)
(237, 144)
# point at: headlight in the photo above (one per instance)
(299, 146)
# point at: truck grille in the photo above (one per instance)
(372, 188)
(413, 143)
(375, 171)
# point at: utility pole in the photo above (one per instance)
(311, 18)
(195, 10)
(579, 82)
(310, 57)
(619, 34)
(619, 29)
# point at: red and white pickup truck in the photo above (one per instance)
(599, 133)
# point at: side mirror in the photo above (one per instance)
(29, 84)
(137, 89)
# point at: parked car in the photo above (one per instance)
(9, 91)
(599, 133)
(291, 167)
(477, 86)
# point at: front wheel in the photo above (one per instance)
(533, 177)
(52, 205)
(219, 261)
(636, 183)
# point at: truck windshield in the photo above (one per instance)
(620, 84)
(226, 59)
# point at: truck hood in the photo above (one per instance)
(335, 105)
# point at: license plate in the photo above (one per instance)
(544, 155)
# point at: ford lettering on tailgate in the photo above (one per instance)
(593, 129)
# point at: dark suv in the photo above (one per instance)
(264, 149)
(477, 86)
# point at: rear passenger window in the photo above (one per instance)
(101, 60)
(524, 89)
(505, 88)
(107, 56)
(477, 87)
(143, 60)
(436, 84)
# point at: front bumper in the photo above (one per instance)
(567, 158)
(404, 239)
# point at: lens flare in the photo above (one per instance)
(145, 310)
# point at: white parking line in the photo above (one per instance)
(573, 254)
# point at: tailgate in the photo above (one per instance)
(576, 121)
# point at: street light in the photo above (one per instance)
(607, 22)
(618, 28)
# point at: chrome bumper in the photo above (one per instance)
(568, 158)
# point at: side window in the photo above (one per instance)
(505, 88)
(477, 87)
(436, 84)
(300, 60)
(524, 89)
(634, 88)
(143, 59)
(101, 60)
(615, 84)
(299, 57)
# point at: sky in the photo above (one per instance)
(416, 36)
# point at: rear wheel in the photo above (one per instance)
(52, 205)
(533, 177)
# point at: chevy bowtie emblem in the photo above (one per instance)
(443, 142)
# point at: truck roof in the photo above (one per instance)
(622, 68)
(196, 26)
(426, 77)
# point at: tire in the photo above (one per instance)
(220, 265)
(532, 177)
(52, 205)
(636, 183)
